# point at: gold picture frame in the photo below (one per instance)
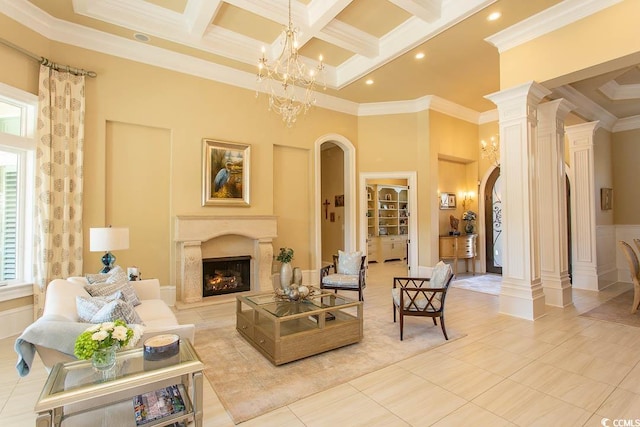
(447, 200)
(225, 173)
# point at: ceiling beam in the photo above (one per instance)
(427, 10)
(350, 38)
(199, 15)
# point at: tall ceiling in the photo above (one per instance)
(358, 39)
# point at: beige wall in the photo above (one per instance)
(626, 191)
(605, 41)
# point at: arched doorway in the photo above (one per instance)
(493, 222)
(350, 199)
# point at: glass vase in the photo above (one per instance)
(104, 358)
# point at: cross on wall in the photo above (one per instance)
(326, 204)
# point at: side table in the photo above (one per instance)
(74, 391)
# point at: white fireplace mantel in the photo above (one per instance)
(191, 231)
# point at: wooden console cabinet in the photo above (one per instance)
(459, 247)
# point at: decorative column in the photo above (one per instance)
(521, 294)
(552, 203)
(583, 206)
(191, 272)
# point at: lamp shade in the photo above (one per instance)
(108, 239)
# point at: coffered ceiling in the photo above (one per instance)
(359, 40)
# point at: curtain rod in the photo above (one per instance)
(44, 61)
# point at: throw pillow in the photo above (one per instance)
(349, 262)
(116, 281)
(88, 307)
(440, 275)
(114, 310)
(97, 277)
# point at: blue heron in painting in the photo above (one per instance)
(221, 177)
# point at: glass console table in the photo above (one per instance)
(76, 394)
(284, 331)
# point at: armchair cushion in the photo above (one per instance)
(349, 262)
(343, 280)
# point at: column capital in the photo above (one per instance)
(510, 101)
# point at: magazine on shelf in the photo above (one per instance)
(158, 404)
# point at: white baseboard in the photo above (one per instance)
(14, 321)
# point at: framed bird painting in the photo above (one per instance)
(225, 173)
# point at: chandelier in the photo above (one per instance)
(281, 77)
(491, 151)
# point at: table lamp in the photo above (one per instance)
(108, 239)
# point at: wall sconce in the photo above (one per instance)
(491, 151)
(467, 199)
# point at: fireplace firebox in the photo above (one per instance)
(226, 275)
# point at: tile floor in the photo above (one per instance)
(561, 370)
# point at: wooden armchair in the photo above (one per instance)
(634, 269)
(349, 273)
(413, 296)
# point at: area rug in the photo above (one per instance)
(617, 309)
(486, 283)
(248, 385)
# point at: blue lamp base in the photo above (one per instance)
(108, 260)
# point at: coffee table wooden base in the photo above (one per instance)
(283, 339)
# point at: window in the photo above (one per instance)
(17, 147)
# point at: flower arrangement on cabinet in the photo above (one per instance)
(469, 217)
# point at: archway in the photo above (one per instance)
(349, 195)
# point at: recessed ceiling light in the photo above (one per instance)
(369, 81)
(419, 55)
(141, 37)
(494, 16)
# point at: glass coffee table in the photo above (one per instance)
(284, 331)
(76, 394)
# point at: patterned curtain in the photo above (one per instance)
(59, 160)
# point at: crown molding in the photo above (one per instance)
(628, 123)
(488, 117)
(551, 19)
(429, 102)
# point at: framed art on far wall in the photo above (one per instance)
(606, 195)
(225, 173)
(447, 200)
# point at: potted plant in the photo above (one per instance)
(286, 271)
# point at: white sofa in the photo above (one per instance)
(60, 307)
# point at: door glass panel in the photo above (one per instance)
(497, 222)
